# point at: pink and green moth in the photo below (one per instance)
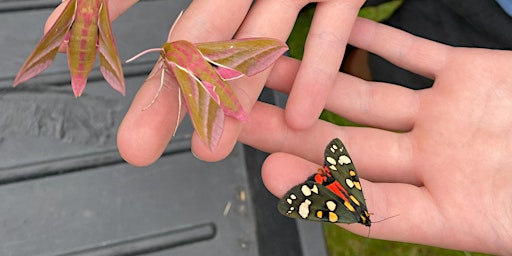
(201, 71)
(84, 27)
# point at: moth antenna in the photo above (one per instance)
(143, 53)
(373, 222)
(157, 68)
(174, 24)
(385, 218)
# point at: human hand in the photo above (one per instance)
(143, 135)
(447, 173)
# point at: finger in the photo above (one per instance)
(322, 58)
(145, 132)
(207, 20)
(260, 22)
(204, 20)
(118, 7)
(401, 207)
(413, 53)
(374, 104)
(228, 17)
(379, 155)
(379, 105)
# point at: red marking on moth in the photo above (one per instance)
(325, 171)
(334, 186)
(83, 43)
(337, 189)
(319, 178)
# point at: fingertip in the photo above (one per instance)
(140, 138)
(301, 114)
(134, 148)
(149, 124)
(225, 146)
(203, 152)
(53, 16)
(281, 171)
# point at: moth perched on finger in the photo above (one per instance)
(333, 194)
(202, 70)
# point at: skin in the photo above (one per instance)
(195, 25)
(444, 179)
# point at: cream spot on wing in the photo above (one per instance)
(330, 160)
(314, 189)
(344, 160)
(305, 190)
(304, 208)
(349, 183)
(330, 205)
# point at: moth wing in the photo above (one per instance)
(205, 112)
(313, 201)
(334, 194)
(242, 56)
(46, 49)
(339, 163)
(186, 55)
(110, 65)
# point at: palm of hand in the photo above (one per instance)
(447, 178)
(460, 147)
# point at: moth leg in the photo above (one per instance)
(179, 113)
(162, 83)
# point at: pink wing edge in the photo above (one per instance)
(218, 123)
(110, 65)
(30, 68)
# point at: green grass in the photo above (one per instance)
(339, 241)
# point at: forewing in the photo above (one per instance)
(247, 56)
(110, 64)
(313, 201)
(186, 55)
(227, 97)
(206, 114)
(45, 51)
(339, 163)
